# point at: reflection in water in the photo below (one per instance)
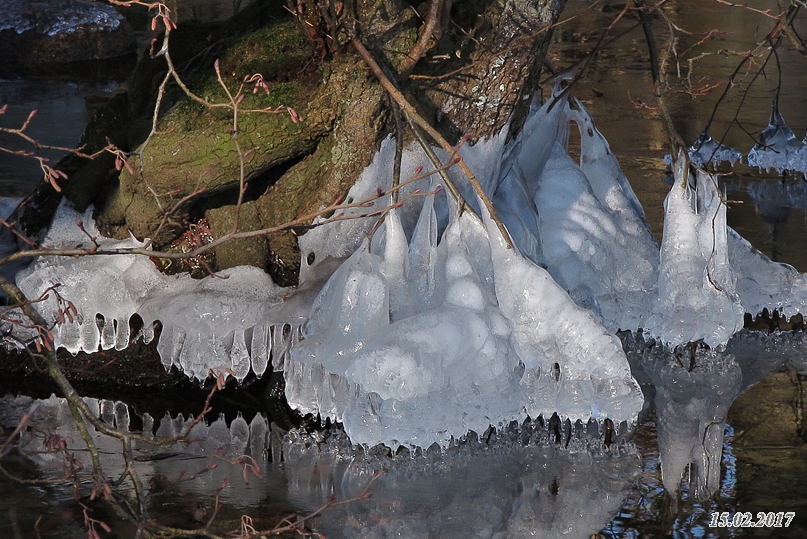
(516, 482)
(63, 105)
(67, 95)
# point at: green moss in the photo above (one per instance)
(278, 52)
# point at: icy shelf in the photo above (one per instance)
(220, 323)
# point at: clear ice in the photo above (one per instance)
(707, 150)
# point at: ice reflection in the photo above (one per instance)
(516, 482)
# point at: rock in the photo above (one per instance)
(769, 414)
(37, 32)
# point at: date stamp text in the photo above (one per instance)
(746, 520)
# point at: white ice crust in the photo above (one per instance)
(205, 323)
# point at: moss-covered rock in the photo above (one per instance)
(194, 148)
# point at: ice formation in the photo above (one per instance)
(707, 150)
(24, 16)
(217, 323)
(112, 288)
(451, 337)
(221, 323)
(594, 239)
(763, 284)
(431, 325)
(696, 296)
(777, 147)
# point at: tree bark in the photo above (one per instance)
(469, 67)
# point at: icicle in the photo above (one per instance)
(696, 297)
(260, 349)
(239, 356)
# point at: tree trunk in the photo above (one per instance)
(469, 68)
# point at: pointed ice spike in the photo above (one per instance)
(395, 267)
(239, 356)
(353, 306)
(260, 349)
(530, 150)
(422, 253)
(601, 167)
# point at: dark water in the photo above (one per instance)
(766, 474)
(65, 101)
